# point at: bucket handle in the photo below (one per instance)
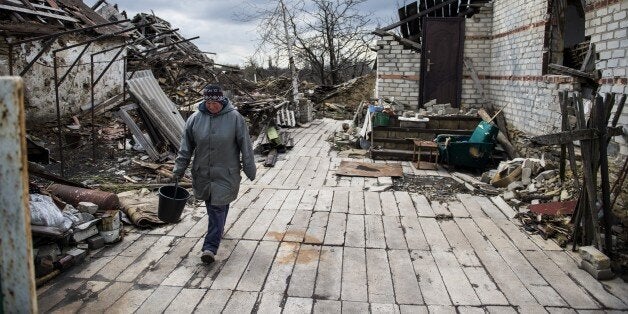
(176, 186)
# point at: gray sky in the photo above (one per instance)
(216, 23)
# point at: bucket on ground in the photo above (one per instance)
(170, 208)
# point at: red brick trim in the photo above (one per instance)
(506, 33)
(399, 77)
(600, 4)
(558, 79)
(613, 81)
(478, 37)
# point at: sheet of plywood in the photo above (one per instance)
(367, 169)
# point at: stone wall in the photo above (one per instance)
(607, 24)
(75, 90)
(398, 70)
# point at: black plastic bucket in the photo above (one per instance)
(170, 208)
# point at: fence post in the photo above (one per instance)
(16, 247)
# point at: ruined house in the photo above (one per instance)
(474, 53)
(34, 60)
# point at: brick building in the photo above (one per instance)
(509, 45)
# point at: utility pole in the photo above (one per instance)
(293, 69)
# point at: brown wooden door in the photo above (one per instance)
(441, 60)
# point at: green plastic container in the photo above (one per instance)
(381, 119)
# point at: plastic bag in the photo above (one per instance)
(44, 212)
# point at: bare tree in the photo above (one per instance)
(330, 37)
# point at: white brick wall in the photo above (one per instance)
(397, 71)
(506, 47)
(607, 27)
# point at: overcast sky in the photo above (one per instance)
(219, 29)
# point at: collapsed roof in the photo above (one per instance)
(411, 17)
(38, 17)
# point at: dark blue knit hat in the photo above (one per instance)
(214, 93)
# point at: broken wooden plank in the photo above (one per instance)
(40, 171)
(415, 16)
(402, 40)
(367, 169)
(577, 135)
(569, 71)
(569, 147)
(476, 79)
(271, 159)
(501, 136)
(35, 12)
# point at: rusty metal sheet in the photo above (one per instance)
(554, 208)
(368, 169)
(16, 249)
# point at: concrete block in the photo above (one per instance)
(508, 195)
(599, 274)
(87, 207)
(78, 255)
(517, 185)
(96, 242)
(526, 173)
(547, 174)
(592, 255)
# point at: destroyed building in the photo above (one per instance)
(450, 218)
(58, 26)
(507, 54)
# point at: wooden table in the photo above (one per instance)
(432, 148)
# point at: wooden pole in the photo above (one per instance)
(606, 194)
(588, 164)
(17, 272)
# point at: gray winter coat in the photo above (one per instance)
(216, 140)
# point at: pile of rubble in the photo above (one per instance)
(432, 108)
(67, 223)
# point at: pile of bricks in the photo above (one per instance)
(595, 263)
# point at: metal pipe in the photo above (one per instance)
(59, 129)
(74, 195)
(108, 65)
(44, 48)
(136, 41)
(171, 44)
(101, 37)
(91, 85)
(163, 46)
(53, 37)
(76, 60)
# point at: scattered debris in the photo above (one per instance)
(436, 188)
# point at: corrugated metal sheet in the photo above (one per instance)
(161, 110)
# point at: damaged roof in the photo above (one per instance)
(37, 17)
(411, 17)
